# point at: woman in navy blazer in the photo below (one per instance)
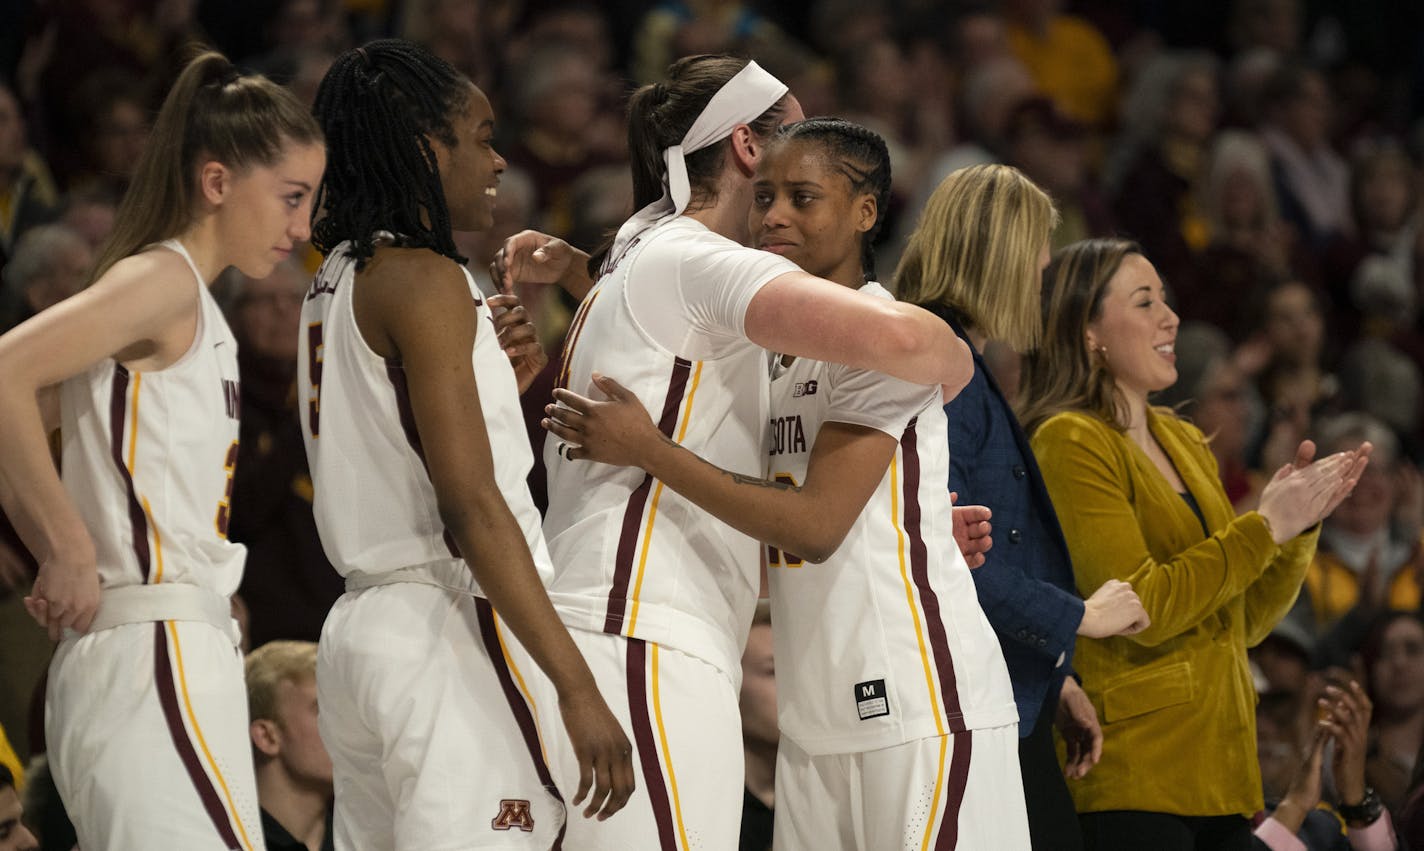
(976, 259)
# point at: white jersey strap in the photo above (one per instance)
(175, 245)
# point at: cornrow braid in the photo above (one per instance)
(862, 156)
(379, 105)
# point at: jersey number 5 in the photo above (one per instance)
(314, 352)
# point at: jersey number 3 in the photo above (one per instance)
(314, 352)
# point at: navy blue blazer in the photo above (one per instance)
(1026, 583)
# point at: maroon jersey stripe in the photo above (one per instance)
(919, 568)
(168, 698)
(118, 414)
(653, 780)
(571, 339)
(517, 705)
(396, 373)
(633, 513)
(954, 795)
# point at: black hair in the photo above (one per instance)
(7, 777)
(379, 105)
(861, 155)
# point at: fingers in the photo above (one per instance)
(569, 400)
(624, 783)
(1304, 454)
(953, 497)
(612, 389)
(585, 781)
(601, 787)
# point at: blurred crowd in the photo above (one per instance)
(1265, 153)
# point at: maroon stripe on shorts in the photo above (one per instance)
(168, 699)
(954, 795)
(653, 781)
(919, 568)
(118, 415)
(396, 373)
(633, 513)
(517, 705)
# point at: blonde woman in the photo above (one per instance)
(976, 260)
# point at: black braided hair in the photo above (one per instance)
(861, 155)
(379, 105)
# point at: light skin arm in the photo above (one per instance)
(809, 520)
(142, 312)
(805, 316)
(433, 336)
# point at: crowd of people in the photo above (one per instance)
(1150, 312)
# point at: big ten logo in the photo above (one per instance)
(803, 388)
(787, 435)
(513, 813)
(232, 398)
(774, 556)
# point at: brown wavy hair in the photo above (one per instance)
(1062, 375)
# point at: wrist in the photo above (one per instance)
(1364, 813)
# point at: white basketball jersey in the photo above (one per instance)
(149, 459)
(632, 557)
(884, 642)
(374, 502)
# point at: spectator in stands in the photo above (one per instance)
(1299, 822)
(294, 785)
(1312, 181)
(1168, 119)
(1249, 244)
(27, 193)
(288, 585)
(1393, 656)
(1212, 392)
(1052, 151)
(50, 263)
(14, 836)
(1069, 59)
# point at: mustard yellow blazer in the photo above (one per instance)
(1176, 701)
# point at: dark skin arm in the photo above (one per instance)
(810, 519)
(433, 336)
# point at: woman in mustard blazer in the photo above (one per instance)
(1139, 500)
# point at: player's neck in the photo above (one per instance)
(300, 808)
(727, 214)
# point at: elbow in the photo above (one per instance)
(816, 547)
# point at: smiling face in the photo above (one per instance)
(470, 169)
(1137, 329)
(265, 210)
(805, 209)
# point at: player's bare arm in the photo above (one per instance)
(811, 520)
(802, 315)
(531, 257)
(432, 338)
(137, 313)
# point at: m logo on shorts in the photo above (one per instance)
(512, 814)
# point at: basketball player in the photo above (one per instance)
(418, 456)
(661, 596)
(897, 715)
(135, 568)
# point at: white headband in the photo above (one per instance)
(751, 92)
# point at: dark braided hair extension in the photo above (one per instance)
(861, 155)
(378, 106)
